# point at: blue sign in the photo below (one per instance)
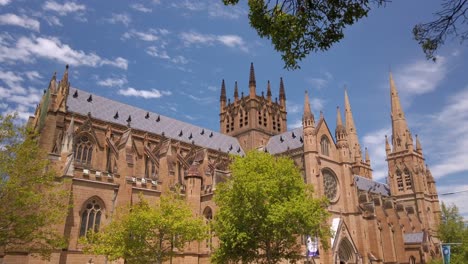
(446, 253)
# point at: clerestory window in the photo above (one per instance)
(84, 150)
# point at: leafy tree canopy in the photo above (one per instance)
(299, 27)
(144, 233)
(264, 209)
(31, 201)
(452, 229)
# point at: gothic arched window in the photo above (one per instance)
(408, 181)
(324, 146)
(399, 179)
(208, 215)
(91, 216)
(84, 149)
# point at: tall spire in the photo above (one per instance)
(367, 156)
(350, 127)
(387, 146)
(252, 82)
(236, 92)
(401, 137)
(53, 82)
(308, 116)
(282, 93)
(222, 98)
(418, 145)
(269, 91)
(63, 87)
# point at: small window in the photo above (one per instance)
(408, 182)
(91, 217)
(208, 215)
(324, 146)
(399, 179)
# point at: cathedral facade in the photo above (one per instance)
(112, 152)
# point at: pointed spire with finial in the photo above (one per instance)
(340, 130)
(67, 144)
(387, 146)
(269, 91)
(64, 84)
(252, 82)
(282, 93)
(53, 83)
(350, 126)
(418, 145)
(222, 98)
(399, 126)
(308, 117)
(236, 92)
(367, 156)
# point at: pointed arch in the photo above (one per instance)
(91, 215)
(84, 146)
(208, 216)
(346, 252)
(325, 146)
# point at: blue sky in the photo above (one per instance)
(170, 57)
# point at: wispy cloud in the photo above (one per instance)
(53, 21)
(141, 8)
(213, 9)
(147, 94)
(20, 21)
(63, 9)
(375, 143)
(4, 2)
(320, 82)
(420, 77)
(162, 54)
(458, 199)
(232, 41)
(26, 49)
(113, 82)
(120, 18)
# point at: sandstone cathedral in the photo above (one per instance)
(112, 152)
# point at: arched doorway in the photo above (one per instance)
(346, 254)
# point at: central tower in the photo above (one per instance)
(252, 119)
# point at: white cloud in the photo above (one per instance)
(179, 60)
(141, 8)
(33, 75)
(63, 9)
(232, 41)
(27, 49)
(155, 52)
(120, 18)
(420, 77)
(113, 82)
(293, 107)
(449, 156)
(320, 82)
(11, 79)
(4, 2)
(375, 143)
(20, 21)
(454, 198)
(53, 21)
(153, 93)
(213, 9)
(212, 88)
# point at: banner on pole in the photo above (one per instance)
(312, 247)
(446, 253)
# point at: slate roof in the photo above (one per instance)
(285, 141)
(105, 109)
(417, 237)
(371, 186)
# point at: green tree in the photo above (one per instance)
(143, 233)
(264, 209)
(32, 202)
(299, 27)
(451, 20)
(452, 229)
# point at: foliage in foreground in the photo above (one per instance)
(31, 201)
(144, 233)
(452, 229)
(264, 209)
(297, 27)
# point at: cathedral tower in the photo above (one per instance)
(253, 119)
(409, 179)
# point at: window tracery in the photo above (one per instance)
(91, 217)
(84, 150)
